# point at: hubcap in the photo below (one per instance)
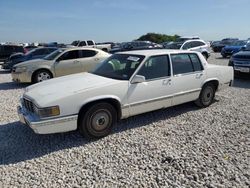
(100, 120)
(208, 94)
(43, 76)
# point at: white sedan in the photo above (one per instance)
(124, 85)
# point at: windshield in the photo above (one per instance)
(30, 52)
(239, 43)
(174, 45)
(53, 55)
(119, 66)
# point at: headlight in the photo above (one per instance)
(21, 69)
(48, 111)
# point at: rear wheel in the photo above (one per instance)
(98, 120)
(206, 96)
(42, 75)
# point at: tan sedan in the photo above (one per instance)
(59, 63)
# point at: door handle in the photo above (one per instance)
(76, 61)
(167, 82)
(96, 59)
(199, 75)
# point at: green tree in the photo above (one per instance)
(158, 38)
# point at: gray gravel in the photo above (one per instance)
(182, 146)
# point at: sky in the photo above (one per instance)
(121, 20)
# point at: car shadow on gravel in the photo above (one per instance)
(19, 143)
(12, 85)
(154, 116)
(242, 82)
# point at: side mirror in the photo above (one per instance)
(138, 79)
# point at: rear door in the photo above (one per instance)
(188, 76)
(89, 59)
(68, 63)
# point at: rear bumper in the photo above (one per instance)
(55, 125)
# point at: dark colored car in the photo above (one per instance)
(241, 61)
(233, 48)
(7, 50)
(29, 48)
(37, 53)
(135, 45)
(217, 47)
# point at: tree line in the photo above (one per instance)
(158, 38)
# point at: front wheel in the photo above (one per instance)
(98, 120)
(206, 96)
(42, 75)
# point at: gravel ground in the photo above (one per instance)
(181, 146)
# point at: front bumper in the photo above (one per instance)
(55, 125)
(23, 77)
(242, 69)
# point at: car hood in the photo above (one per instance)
(33, 61)
(242, 55)
(44, 92)
(232, 47)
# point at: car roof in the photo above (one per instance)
(80, 48)
(153, 52)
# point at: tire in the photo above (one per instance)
(206, 96)
(205, 55)
(42, 75)
(97, 121)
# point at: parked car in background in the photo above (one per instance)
(124, 85)
(37, 53)
(224, 42)
(29, 48)
(135, 45)
(7, 50)
(185, 38)
(193, 45)
(233, 48)
(241, 61)
(59, 63)
(92, 44)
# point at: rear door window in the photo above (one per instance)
(90, 43)
(181, 64)
(196, 62)
(185, 63)
(87, 53)
(82, 43)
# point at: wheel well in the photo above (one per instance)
(34, 73)
(204, 53)
(116, 104)
(214, 82)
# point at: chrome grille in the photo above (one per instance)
(28, 105)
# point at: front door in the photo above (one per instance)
(68, 63)
(156, 91)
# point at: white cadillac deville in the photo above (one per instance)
(124, 85)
